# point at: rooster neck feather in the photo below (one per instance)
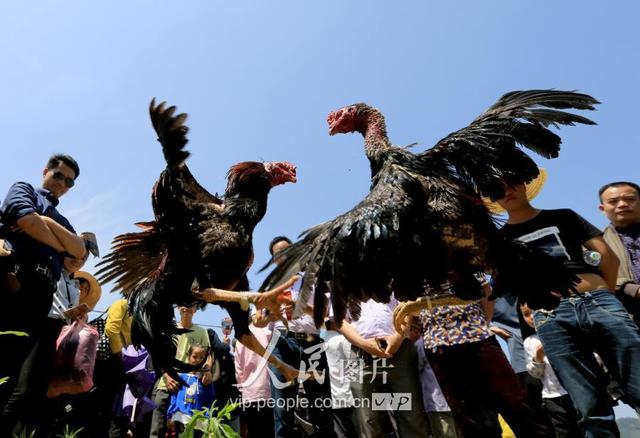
(376, 140)
(245, 212)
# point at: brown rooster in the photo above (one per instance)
(197, 240)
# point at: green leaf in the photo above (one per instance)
(14, 333)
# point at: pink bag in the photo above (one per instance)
(74, 360)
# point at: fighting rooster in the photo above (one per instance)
(196, 241)
(423, 229)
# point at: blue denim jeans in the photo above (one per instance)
(581, 325)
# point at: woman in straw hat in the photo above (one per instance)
(89, 288)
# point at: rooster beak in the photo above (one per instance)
(291, 176)
(332, 120)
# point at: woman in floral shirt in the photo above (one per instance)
(474, 373)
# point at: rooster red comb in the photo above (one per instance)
(277, 172)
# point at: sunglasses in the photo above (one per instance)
(59, 176)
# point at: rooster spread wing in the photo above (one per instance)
(485, 153)
(176, 187)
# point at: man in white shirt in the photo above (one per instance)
(385, 363)
(338, 351)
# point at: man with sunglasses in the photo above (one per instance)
(39, 238)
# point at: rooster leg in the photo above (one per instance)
(270, 299)
(408, 308)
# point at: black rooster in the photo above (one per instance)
(423, 226)
(196, 240)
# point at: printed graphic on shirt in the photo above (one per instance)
(548, 240)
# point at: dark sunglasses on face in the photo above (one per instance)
(59, 176)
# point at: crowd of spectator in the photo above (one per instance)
(445, 375)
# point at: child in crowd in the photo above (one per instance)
(555, 399)
(193, 396)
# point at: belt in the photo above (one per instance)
(303, 336)
(38, 269)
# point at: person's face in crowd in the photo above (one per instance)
(197, 355)
(73, 264)
(187, 312)
(527, 315)
(515, 197)
(84, 287)
(621, 205)
(227, 326)
(277, 247)
(414, 332)
(58, 180)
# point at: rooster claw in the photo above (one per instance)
(408, 308)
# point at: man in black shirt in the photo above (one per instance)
(592, 320)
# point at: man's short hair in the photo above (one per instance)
(56, 159)
(276, 240)
(634, 186)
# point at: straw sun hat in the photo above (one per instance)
(95, 291)
(533, 188)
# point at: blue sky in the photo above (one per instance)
(258, 79)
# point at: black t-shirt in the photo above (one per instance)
(559, 233)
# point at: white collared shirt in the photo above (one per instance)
(65, 297)
(376, 319)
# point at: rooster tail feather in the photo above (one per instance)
(171, 131)
(153, 327)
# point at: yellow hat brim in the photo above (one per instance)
(532, 188)
(95, 291)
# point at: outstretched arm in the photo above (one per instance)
(72, 243)
(35, 226)
(368, 345)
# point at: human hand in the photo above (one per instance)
(172, 385)
(632, 290)
(498, 331)
(539, 356)
(372, 347)
(4, 251)
(288, 310)
(77, 312)
(393, 342)
(206, 378)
